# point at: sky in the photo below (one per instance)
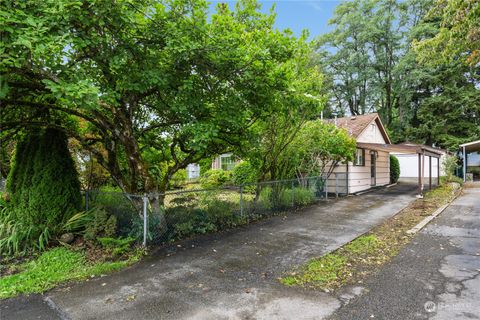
(297, 15)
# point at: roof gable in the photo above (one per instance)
(356, 125)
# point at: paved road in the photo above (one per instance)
(225, 276)
(438, 272)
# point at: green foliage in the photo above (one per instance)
(394, 169)
(126, 90)
(102, 225)
(244, 174)
(214, 178)
(118, 246)
(53, 267)
(44, 191)
(450, 165)
(458, 34)
(318, 148)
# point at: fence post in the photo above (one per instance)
(145, 219)
(86, 200)
(241, 200)
(336, 185)
(293, 194)
(326, 188)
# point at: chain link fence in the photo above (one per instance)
(159, 218)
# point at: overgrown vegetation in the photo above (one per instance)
(356, 260)
(56, 266)
(44, 193)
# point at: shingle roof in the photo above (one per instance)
(355, 124)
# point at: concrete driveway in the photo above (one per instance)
(232, 275)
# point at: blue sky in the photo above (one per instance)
(297, 15)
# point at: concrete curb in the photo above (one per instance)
(425, 221)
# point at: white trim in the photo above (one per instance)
(470, 143)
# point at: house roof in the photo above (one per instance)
(355, 125)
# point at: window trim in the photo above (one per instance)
(363, 158)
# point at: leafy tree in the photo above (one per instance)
(147, 87)
(318, 148)
(361, 54)
(458, 37)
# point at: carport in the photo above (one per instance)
(471, 156)
(421, 150)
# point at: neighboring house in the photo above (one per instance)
(409, 163)
(226, 161)
(193, 171)
(371, 166)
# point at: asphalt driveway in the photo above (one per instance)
(232, 275)
(436, 276)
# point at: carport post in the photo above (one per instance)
(464, 165)
(438, 171)
(420, 173)
(430, 172)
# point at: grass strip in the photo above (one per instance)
(56, 266)
(358, 259)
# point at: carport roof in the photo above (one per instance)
(403, 148)
(471, 146)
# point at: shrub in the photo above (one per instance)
(394, 169)
(179, 178)
(244, 173)
(118, 246)
(214, 178)
(450, 165)
(44, 189)
(222, 213)
(102, 225)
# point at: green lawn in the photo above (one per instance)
(54, 267)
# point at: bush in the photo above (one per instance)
(102, 225)
(44, 189)
(394, 169)
(243, 173)
(179, 179)
(450, 165)
(214, 178)
(118, 246)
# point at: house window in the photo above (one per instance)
(227, 162)
(359, 157)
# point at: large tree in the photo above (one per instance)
(147, 86)
(458, 37)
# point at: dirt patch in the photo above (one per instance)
(355, 261)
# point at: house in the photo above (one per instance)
(371, 166)
(193, 171)
(409, 163)
(226, 161)
(470, 154)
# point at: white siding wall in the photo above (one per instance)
(409, 166)
(371, 134)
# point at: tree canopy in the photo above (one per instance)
(147, 87)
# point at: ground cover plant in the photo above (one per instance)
(356, 260)
(62, 264)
